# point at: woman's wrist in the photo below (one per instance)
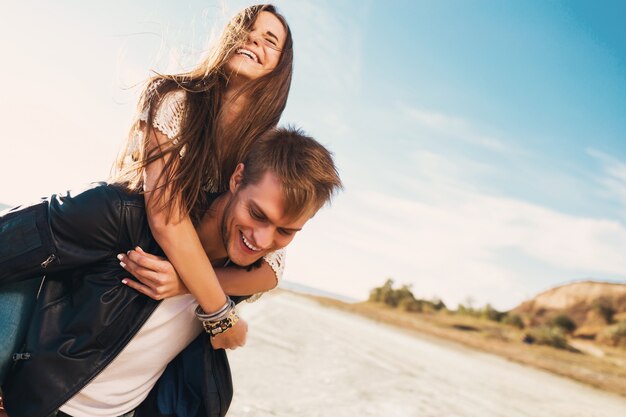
(218, 321)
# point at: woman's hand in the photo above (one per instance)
(157, 277)
(232, 338)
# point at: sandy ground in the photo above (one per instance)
(303, 360)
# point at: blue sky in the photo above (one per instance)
(483, 144)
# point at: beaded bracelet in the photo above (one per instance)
(213, 328)
(219, 321)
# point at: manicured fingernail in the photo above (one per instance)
(124, 281)
(122, 264)
(128, 253)
(120, 256)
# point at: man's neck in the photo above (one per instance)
(210, 230)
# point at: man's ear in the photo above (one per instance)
(237, 178)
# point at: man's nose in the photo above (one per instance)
(264, 237)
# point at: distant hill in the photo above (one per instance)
(4, 206)
(591, 305)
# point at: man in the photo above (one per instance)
(98, 347)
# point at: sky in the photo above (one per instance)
(482, 144)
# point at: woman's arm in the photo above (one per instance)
(158, 279)
(177, 235)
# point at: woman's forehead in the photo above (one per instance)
(269, 23)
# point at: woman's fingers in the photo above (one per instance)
(158, 278)
(142, 273)
(141, 262)
(150, 262)
(148, 255)
(144, 289)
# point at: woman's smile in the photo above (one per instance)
(260, 53)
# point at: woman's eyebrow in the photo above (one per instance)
(272, 35)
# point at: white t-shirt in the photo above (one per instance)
(128, 379)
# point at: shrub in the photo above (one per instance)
(563, 322)
(387, 293)
(467, 311)
(403, 298)
(614, 335)
(408, 304)
(605, 309)
(439, 305)
(491, 313)
(549, 336)
(404, 293)
(461, 309)
(513, 320)
(375, 295)
(384, 294)
(395, 297)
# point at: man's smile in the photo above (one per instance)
(248, 245)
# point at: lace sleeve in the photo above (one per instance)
(276, 260)
(167, 120)
(169, 114)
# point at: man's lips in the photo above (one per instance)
(247, 246)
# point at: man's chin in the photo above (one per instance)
(245, 261)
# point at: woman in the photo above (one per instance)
(191, 130)
(194, 127)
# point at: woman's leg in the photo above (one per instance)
(16, 306)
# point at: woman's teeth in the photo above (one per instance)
(249, 54)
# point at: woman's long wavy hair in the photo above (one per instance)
(211, 149)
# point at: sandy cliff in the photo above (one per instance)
(584, 302)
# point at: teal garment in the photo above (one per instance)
(17, 302)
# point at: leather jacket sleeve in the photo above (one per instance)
(61, 232)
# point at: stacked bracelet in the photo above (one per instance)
(219, 321)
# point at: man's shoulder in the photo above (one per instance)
(98, 202)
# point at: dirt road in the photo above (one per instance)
(304, 360)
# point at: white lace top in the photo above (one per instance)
(167, 120)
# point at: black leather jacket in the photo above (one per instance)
(84, 315)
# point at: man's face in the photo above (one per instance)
(254, 221)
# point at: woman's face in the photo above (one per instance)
(261, 52)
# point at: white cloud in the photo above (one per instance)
(448, 169)
(453, 247)
(614, 178)
(456, 128)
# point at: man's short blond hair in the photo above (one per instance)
(304, 167)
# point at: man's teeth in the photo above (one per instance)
(249, 54)
(248, 244)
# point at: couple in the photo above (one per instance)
(98, 347)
